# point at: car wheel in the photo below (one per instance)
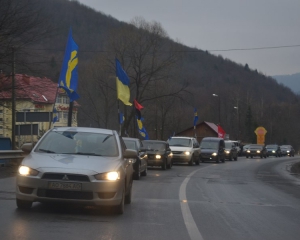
(197, 161)
(251, 156)
(169, 166)
(137, 174)
(246, 156)
(145, 172)
(218, 159)
(236, 158)
(202, 160)
(129, 194)
(164, 165)
(191, 161)
(230, 157)
(22, 204)
(120, 208)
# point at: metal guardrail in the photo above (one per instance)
(11, 154)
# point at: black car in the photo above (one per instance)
(212, 149)
(159, 153)
(274, 150)
(231, 151)
(256, 150)
(287, 150)
(140, 163)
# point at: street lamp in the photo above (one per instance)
(238, 118)
(215, 95)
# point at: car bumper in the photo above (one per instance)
(105, 193)
(181, 158)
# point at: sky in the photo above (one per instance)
(223, 25)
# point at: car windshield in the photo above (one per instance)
(209, 145)
(255, 147)
(181, 142)
(81, 143)
(271, 146)
(130, 144)
(228, 144)
(154, 146)
(285, 147)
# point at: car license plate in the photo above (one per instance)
(64, 186)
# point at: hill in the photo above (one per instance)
(167, 78)
(292, 81)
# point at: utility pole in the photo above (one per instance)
(70, 115)
(215, 95)
(13, 102)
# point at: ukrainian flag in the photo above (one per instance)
(141, 129)
(68, 79)
(123, 91)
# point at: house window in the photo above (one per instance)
(59, 100)
(65, 115)
(66, 100)
(1, 119)
(1, 111)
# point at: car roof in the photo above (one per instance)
(182, 137)
(131, 139)
(83, 129)
(212, 139)
(155, 141)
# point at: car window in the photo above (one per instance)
(130, 144)
(154, 146)
(209, 145)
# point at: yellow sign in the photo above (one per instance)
(260, 134)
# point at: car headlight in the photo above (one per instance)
(214, 154)
(171, 154)
(27, 171)
(111, 176)
(248, 151)
(132, 160)
(258, 151)
(227, 151)
(158, 157)
(287, 151)
(187, 153)
(273, 151)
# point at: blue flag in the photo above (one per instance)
(195, 116)
(55, 116)
(68, 79)
(121, 117)
(122, 81)
(141, 129)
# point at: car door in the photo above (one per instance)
(127, 166)
(142, 155)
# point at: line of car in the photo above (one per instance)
(257, 150)
(92, 166)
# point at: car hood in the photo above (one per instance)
(45, 162)
(178, 148)
(155, 152)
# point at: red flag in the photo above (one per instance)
(137, 105)
(221, 132)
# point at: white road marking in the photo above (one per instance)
(185, 209)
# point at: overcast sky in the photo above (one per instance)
(224, 24)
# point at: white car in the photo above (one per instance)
(89, 166)
(185, 150)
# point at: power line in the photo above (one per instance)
(198, 50)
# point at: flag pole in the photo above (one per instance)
(120, 125)
(51, 120)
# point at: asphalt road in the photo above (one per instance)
(247, 199)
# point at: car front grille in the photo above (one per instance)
(177, 152)
(61, 194)
(69, 177)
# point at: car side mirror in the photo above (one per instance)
(130, 153)
(27, 147)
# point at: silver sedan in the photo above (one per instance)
(89, 166)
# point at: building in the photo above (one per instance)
(202, 130)
(32, 94)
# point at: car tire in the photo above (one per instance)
(246, 156)
(197, 162)
(119, 209)
(23, 204)
(251, 156)
(191, 161)
(169, 166)
(230, 158)
(164, 165)
(218, 159)
(145, 172)
(236, 158)
(128, 196)
(223, 160)
(137, 174)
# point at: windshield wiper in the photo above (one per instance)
(89, 154)
(47, 151)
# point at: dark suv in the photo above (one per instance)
(273, 150)
(287, 150)
(231, 151)
(256, 150)
(212, 149)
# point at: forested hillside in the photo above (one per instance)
(167, 78)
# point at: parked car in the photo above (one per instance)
(256, 150)
(287, 150)
(89, 166)
(159, 153)
(212, 149)
(140, 163)
(273, 150)
(185, 150)
(231, 151)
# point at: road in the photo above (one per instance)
(248, 199)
